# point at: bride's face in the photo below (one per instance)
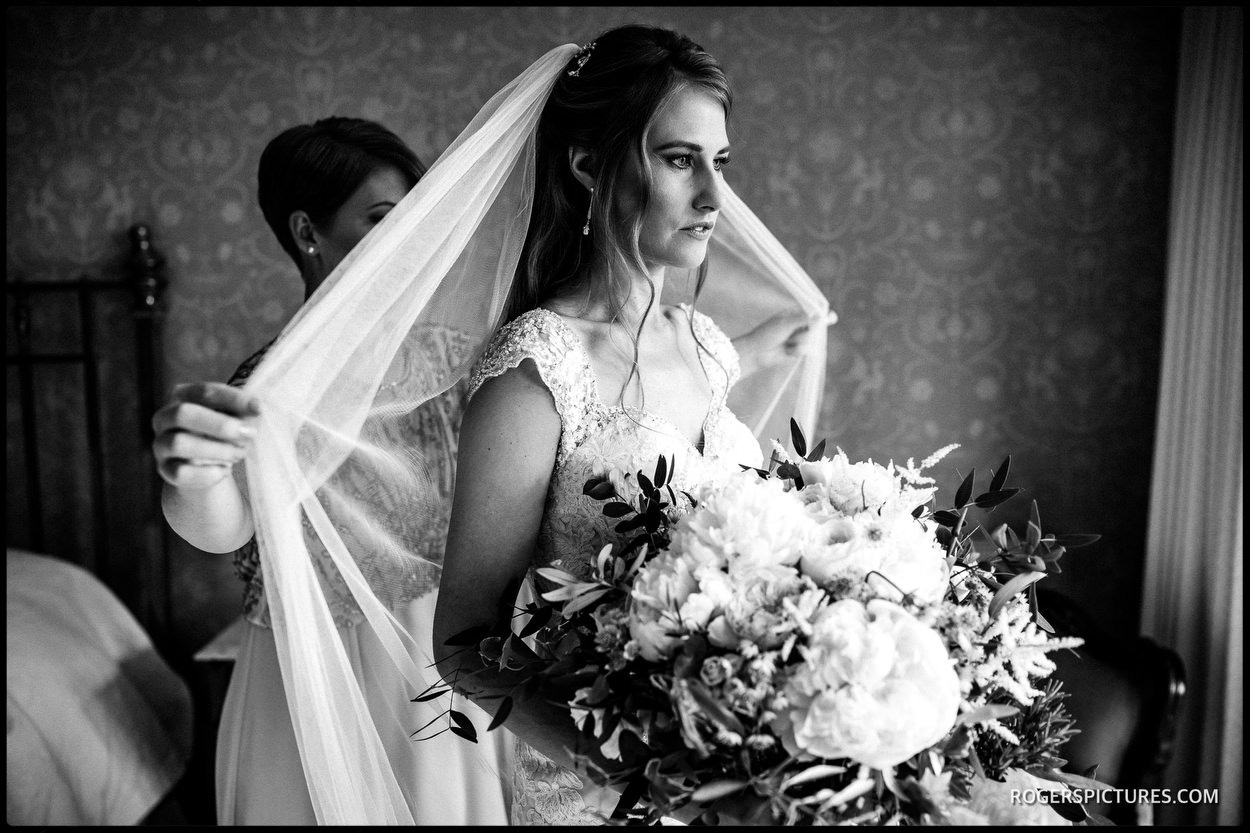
(686, 149)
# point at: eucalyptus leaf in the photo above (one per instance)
(718, 789)
(570, 591)
(557, 576)
(599, 488)
(1010, 589)
(430, 695)
(964, 492)
(816, 452)
(462, 726)
(505, 709)
(645, 483)
(813, 773)
(797, 438)
(617, 509)
(988, 500)
(1000, 476)
(584, 600)
(661, 471)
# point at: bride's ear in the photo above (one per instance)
(582, 165)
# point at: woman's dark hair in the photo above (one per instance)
(608, 108)
(315, 167)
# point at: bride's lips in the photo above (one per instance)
(699, 231)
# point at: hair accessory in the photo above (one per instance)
(582, 57)
(591, 202)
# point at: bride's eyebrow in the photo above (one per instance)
(684, 145)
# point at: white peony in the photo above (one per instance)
(876, 686)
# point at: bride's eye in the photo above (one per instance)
(682, 161)
(720, 162)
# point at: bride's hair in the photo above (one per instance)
(605, 101)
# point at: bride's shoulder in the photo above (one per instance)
(538, 335)
(529, 329)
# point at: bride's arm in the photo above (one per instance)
(507, 451)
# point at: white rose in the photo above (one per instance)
(661, 588)
(743, 518)
(892, 553)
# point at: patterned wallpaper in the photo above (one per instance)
(981, 193)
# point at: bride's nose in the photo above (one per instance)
(709, 196)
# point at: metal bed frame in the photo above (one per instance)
(144, 281)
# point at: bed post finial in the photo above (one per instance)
(148, 266)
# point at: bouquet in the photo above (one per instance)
(815, 642)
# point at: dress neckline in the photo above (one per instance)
(714, 405)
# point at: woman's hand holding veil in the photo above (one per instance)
(783, 336)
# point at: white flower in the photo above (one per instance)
(660, 590)
(892, 553)
(756, 609)
(746, 520)
(851, 487)
(876, 686)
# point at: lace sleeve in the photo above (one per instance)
(540, 336)
(713, 339)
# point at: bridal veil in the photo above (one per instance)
(336, 468)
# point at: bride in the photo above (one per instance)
(584, 206)
(594, 373)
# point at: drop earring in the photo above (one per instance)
(586, 228)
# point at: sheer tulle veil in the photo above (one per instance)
(335, 467)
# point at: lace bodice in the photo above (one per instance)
(599, 440)
(418, 518)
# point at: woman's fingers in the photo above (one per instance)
(201, 419)
(203, 431)
(183, 445)
(189, 474)
(218, 397)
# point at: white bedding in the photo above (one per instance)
(98, 726)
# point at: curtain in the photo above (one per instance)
(1193, 581)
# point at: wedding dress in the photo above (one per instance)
(595, 440)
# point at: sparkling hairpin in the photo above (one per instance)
(582, 57)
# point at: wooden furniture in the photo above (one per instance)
(1126, 695)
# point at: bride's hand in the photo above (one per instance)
(781, 337)
(201, 433)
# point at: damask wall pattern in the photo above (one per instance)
(980, 192)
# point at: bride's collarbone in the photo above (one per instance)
(671, 383)
(665, 386)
